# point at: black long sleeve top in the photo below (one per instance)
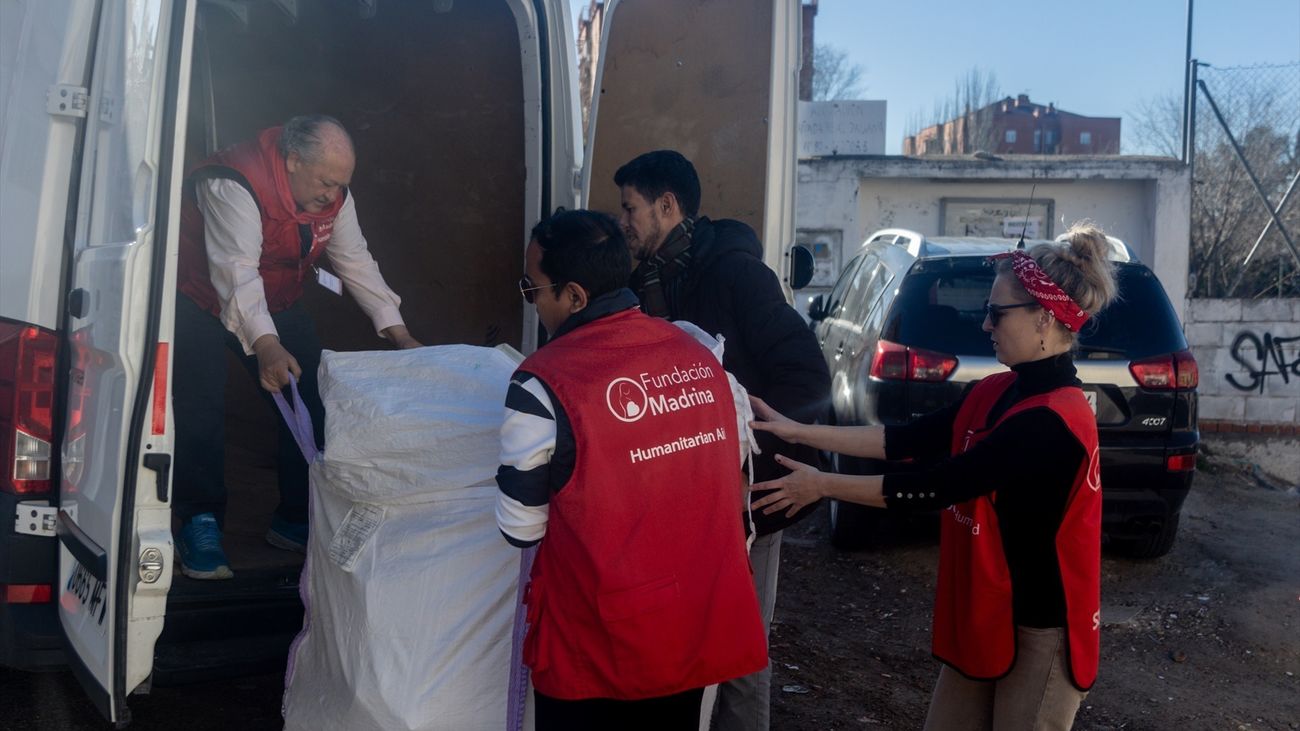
(1030, 460)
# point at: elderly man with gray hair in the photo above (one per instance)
(255, 219)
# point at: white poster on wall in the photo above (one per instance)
(1012, 226)
(827, 129)
(996, 217)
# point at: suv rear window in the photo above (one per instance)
(940, 306)
(1139, 323)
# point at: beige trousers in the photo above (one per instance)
(1036, 696)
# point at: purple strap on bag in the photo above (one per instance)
(518, 699)
(298, 420)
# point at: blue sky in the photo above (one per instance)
(1100, 58)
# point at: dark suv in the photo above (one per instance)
(902, 334)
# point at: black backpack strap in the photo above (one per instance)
(225, 172)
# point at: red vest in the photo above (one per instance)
(282, 265)
(974, 631)
(641, 587)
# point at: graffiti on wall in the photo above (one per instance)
(1262, 358)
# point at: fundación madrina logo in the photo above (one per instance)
(629, 399)
(626, 399)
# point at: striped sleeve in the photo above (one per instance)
(527, 445)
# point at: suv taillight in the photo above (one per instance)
(1166, 372)
(27, 382)
(894, 362)
(1186, 374)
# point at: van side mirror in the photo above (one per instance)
(817, 308)
(801, 266)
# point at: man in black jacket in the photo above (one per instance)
(712, 273)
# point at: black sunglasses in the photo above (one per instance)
(995, 312)
(526, 288)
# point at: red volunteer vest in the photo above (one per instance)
(641, 587)
(974, 631)
(282, 265)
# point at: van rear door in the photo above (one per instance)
(716, 81)
(114, 521)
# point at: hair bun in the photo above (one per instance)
(1087, 243)
(1080, 265)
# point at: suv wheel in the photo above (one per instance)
(1151, 546)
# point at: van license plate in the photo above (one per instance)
(1092, 400)
(90, 592)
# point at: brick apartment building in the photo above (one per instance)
(1018, 126)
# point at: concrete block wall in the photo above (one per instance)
(1248, 354)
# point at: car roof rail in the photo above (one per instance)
(1119, 251)
(911, 240)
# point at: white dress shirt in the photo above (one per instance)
(232, 228)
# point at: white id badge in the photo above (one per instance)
(329, 281)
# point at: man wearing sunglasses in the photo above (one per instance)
(711, 273)
(620, 458)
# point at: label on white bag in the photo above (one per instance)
(329, 281)
(358, 526)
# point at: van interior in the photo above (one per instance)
(433, 96)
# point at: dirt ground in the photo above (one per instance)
(1207, 637)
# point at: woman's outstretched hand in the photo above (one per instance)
(800, 488)
(772, 421)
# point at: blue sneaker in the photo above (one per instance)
(286, 535)
(200, 549)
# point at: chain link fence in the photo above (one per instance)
(1246, 160)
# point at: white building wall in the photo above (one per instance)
(1144, 201)
(1119, 207)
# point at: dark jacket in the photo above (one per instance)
(728, 290)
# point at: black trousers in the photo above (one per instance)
(199, 409)
(679, 712)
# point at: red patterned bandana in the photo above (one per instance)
(1048, 293)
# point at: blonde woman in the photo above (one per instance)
(1013, 466)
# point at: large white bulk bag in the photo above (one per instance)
(402, 424)
(410, 588)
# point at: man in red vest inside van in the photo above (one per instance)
(255, 219)
(620, 457)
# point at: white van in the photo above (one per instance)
(466, 124)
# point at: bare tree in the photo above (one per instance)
(1156, 126)
(965, 114)
(1227, 216)
(834, 76)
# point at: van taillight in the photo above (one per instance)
(27, 382)
(27, 593)
(1166, 372)
(894, 362)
